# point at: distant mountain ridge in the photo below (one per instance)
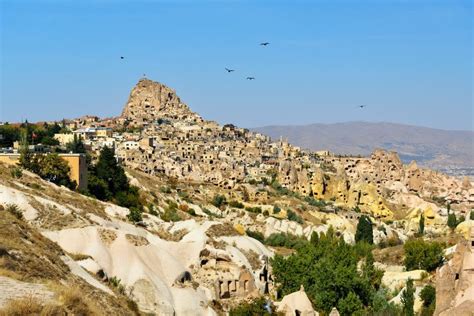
(433, 148)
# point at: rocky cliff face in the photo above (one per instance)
(455, 281)
(150, 101)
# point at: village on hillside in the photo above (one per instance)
(225, 211)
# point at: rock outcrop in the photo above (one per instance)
(296, 303)
(455, 282)
(150, 101)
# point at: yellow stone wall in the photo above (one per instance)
(76, 162)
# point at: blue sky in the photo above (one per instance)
(410, 61)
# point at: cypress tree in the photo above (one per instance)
(364, 230)
(408, 298)
(421, 228)
(452, 222)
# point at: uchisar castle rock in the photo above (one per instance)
(208, 192)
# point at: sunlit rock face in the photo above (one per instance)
(150, 101)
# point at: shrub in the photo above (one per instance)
(356, 209)
(135, 215)
(292, 216)
(276, 209)
(314, 202)
(152, 210)
(471, 216)
(257, 307)
(236, 204)
(129, 198)
(285, 240)
(210, 214)
(165, 189)
(422, 255)
(117, 283)
(219, 200)
(15, 211)
(255, 209)
(256, 235)
(170, 215)
(364, 230)
(16, 173)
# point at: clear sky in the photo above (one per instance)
(410, 61)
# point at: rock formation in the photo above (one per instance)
(151, 101)
(455, 282)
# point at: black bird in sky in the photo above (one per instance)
(264, 44)
(229, 70)
(362, 106)
(121, 57)
(250, 78)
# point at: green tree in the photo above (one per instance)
(350, 304)
(452, 221)
(408, 298)
(76, 146)
(428, 296)
(135, 215)
(422, 255)
(364, 230)
(108, 169)
(327, 268)
(54, 169)
(471, 216)
(421, 225)
(98, 188)
(10, 134)
(26, 160)
(219, 200)
(371, 273)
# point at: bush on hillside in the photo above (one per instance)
(422, 255)
(292, 216)
(256, 235)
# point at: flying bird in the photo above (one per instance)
(264, 44)
(250, 78)
(121, 57)
(229, 70)
(362, 106)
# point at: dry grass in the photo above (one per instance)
(72, 301)
(30, 305)
(76, 303)
(176, 236)
(253, 258)
(224, 229)
(78, 256)
(390, 255)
